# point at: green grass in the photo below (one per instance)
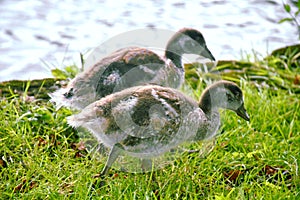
(41, 157)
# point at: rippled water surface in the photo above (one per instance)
(37, 35)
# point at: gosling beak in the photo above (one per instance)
(241, 111)
(207, 54)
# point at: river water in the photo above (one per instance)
(39, 35)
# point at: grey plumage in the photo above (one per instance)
(130, 67)
(147, 121)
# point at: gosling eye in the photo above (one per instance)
(190, 44)
(69, 94)
(230, 97)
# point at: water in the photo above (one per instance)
(37, 35)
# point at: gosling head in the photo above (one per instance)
(224, 94)
(188, 41)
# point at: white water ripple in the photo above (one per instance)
(37, 35)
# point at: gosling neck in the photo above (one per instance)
(211, 100)
(205, 103)
(174, 51)
(174, 57)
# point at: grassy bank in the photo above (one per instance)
(41, 157)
